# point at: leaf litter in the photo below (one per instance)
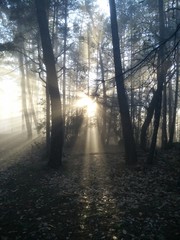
(91, 197)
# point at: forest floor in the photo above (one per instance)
(93, 196)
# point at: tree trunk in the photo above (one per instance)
(31, 103)
(161, 75)
(64, 58)
(129, 143)
(170, 101)
(172, 129)
(149, 116)
(164, 120)
(57, 127)
(103, 135)
(89, 58)
(24, 99)
(48, 126)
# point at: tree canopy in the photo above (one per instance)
(71, 59)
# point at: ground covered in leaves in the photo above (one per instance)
(92, 196)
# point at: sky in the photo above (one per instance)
(104, 5)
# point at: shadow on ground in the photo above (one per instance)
(93, 196)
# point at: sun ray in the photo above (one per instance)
(87, 103)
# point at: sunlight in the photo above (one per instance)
(104, 6)
(85, 101)
(89, 140)
(12, 118)
(10, 105)
(93, 141)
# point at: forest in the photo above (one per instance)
(90, 119)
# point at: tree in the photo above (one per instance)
(57, 125)
(24, 97)
(172, 124)
(129, 143)
(64, 57)
(147, 121)
(161, 76)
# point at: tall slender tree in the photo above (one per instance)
(24, 97)
(161, 75)
(129, 143)
(57, 127)
(64, 57)
(173, 123)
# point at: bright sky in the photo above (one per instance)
(104, 5)
(9, 104)
(9, 92)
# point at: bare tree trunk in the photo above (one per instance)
(103, 135)
(139, 117)
(129, 143)
(64, 58)
(170, 101)
(57, 127)
(48, 127)
(145, 126)
(172, 129)
(24, 97)
(164, 120)
(31, 103)
(161, 74)
(132, 107)
(89, 58)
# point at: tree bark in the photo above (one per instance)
(129, 143)
(57, 127)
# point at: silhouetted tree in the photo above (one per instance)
(57, 126)
(161, 76)
(129, 143)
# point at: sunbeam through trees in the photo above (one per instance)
(89, 109)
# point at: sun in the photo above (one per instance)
(86, 102)
(91, 109)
